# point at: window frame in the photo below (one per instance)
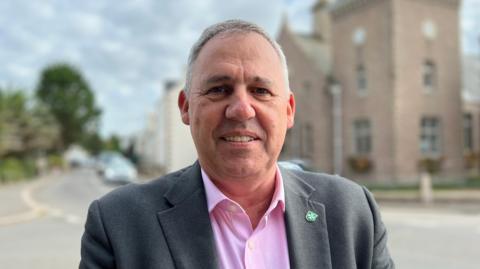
(362, 137)
(430, 136)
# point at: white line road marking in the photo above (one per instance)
(73, 219)
(37, 209)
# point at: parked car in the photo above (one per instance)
(104, 158)
(295, 164)
(114, 168)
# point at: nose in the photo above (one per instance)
(240, 107)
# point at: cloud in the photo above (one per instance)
(470, 25)
(126, 49)
(19, 71)
(88, 24)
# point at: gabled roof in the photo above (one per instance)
(314, 48)
(317, 50)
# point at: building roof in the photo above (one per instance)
(317, 50)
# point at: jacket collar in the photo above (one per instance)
(191, 240)
(308, 243)
(186, 225)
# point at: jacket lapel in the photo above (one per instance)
(307, 239)
(186, 225)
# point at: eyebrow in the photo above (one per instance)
(218, 78)
(225, 78)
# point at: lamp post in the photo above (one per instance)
(336, 92)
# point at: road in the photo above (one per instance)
(52, 239)
(48, 235)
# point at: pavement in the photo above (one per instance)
(439, 196)
(18, 203)
(444, 234)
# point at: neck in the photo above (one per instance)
(254, 196)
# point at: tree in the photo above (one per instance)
(12, 116)
(25, 127)
(93, 143)
(68, 96)
(113, 144)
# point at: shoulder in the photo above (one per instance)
(333, 191)
(145, 195)
(325, 182)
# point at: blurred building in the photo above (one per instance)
(471, 111)
(166, 144)
(378, 88)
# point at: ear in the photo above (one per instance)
(184, 107)
(290, 110)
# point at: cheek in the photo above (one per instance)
(206, 116)
(275, 124)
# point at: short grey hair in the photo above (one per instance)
(231, 27)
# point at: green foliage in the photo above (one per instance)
(93, 143)
(25, 127)
(450, 184)
(13, 169)
(431, 165)
(68, 96)
(55, 161)
(113, 144)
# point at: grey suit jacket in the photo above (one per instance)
(165, 224)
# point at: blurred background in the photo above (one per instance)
(387, 91)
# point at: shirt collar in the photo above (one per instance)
(215, 196)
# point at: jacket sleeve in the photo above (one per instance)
(96, 251)
(381, 256)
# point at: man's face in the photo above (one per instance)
(238, 107)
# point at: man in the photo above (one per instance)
(235, 208)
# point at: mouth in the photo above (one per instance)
(239, 138)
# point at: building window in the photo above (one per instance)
(468, 132)
(307, 141)
(362, 137)
(361, 79)
(430, 135)
(429, 75)
(359, 36)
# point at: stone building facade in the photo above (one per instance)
(165, 144)
(378, 87)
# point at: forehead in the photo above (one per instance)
(250, 53)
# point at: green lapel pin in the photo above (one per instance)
(311, 216)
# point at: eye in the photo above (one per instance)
(218, 90)
(261, 91)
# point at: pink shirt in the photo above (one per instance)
(238, 245)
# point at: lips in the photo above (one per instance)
(238, 138)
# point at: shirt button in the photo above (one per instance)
(250, 244)
(232, 208)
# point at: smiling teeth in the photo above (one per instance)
(239, 138)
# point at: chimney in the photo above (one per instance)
(321, 20)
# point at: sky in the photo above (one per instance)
(126, 50)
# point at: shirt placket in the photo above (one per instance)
(253, 255)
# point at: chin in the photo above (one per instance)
(243, 168)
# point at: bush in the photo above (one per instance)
(55, 161)
(14, 169)
(29, 168)
(360, 164)
(432, 165)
